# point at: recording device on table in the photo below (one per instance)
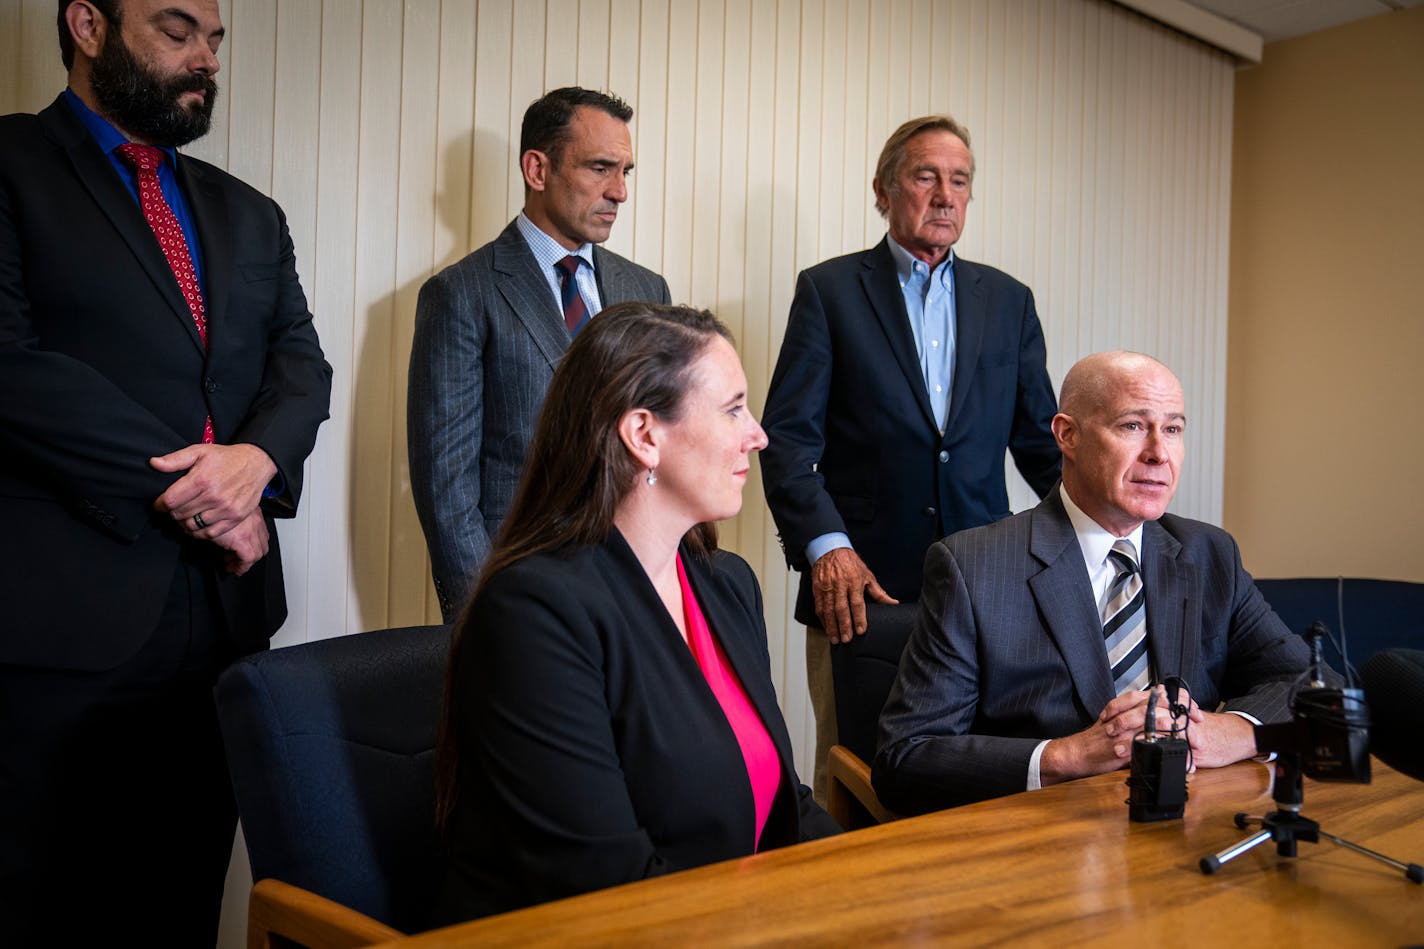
(1157, 788)
(1327, 738)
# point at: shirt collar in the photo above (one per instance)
(547, 251)
(1096, 542)
(905, 263)
(103, 131)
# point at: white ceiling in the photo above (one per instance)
(1282, 19)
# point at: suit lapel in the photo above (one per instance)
(1170, 587)
(882, 288)
(527, 293)
(210, 215)
(1063, 595)
(608, 273)
(96, 174)
(971, 311)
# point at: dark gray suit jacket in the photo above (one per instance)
(1007, 650)
(488, 334)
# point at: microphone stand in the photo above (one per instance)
(1286, 825)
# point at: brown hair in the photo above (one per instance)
(578, 471)
(892, 156)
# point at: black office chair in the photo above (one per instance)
(1378, 614)
(863, 670)
(331, 749)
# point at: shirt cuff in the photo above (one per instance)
(1035, 778)
(820, 546)
(278, 487)
(1269, 756)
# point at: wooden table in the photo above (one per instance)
(1058, 866)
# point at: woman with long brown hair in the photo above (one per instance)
(610, 713)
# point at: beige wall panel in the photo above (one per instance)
(376, 386)
(651, 101)
(332, 606)
(1327, 323)
(526, 82)
(624, 35)
(295, 123)
(416, 223)
(496, 186)
(732, 206)
(678, 179)
(563, 38)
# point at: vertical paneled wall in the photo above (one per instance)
(389, 133)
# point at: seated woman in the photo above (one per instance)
(609, 714)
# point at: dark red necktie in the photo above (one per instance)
(575, 310)
(145, 159)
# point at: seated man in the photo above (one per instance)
(1036, 635)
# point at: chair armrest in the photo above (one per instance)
(849, 786)
(279, 915)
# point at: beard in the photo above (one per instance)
(145, 104)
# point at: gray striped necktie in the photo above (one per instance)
(1125, 622)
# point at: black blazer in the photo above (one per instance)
(1007, 650)
(853, 444)
(592, 750)
(101, 368)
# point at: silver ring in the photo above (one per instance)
(198, 520)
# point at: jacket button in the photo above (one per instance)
(943, 457)
(211, 385)
(930, 512)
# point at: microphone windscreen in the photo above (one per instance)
(1394, 688)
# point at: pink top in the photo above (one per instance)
(763, 763)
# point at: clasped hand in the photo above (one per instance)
(217, 498)
(1215, 739)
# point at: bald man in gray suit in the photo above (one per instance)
(490, 329)
(1012, 680)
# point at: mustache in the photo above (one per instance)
(193, 82)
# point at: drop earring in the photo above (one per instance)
(652, 477)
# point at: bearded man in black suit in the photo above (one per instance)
(161, 385)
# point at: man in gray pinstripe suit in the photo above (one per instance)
(1005, 683)
(490, 329)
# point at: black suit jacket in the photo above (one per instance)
(1007, 650)
(101, 368)
(853, 442)
(592, 750)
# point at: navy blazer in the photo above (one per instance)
(101, 368)
(593, 752)
(488, 335)
(1007, 650)
(853, 444)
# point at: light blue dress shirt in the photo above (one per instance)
(929, 303)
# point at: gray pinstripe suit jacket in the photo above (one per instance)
(488, 335)
(1007, 650)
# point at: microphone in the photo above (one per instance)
(1157, 788)
(1393, 681)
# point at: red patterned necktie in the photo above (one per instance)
(575, 310)
(145, 159)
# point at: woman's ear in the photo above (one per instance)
(641, 434)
